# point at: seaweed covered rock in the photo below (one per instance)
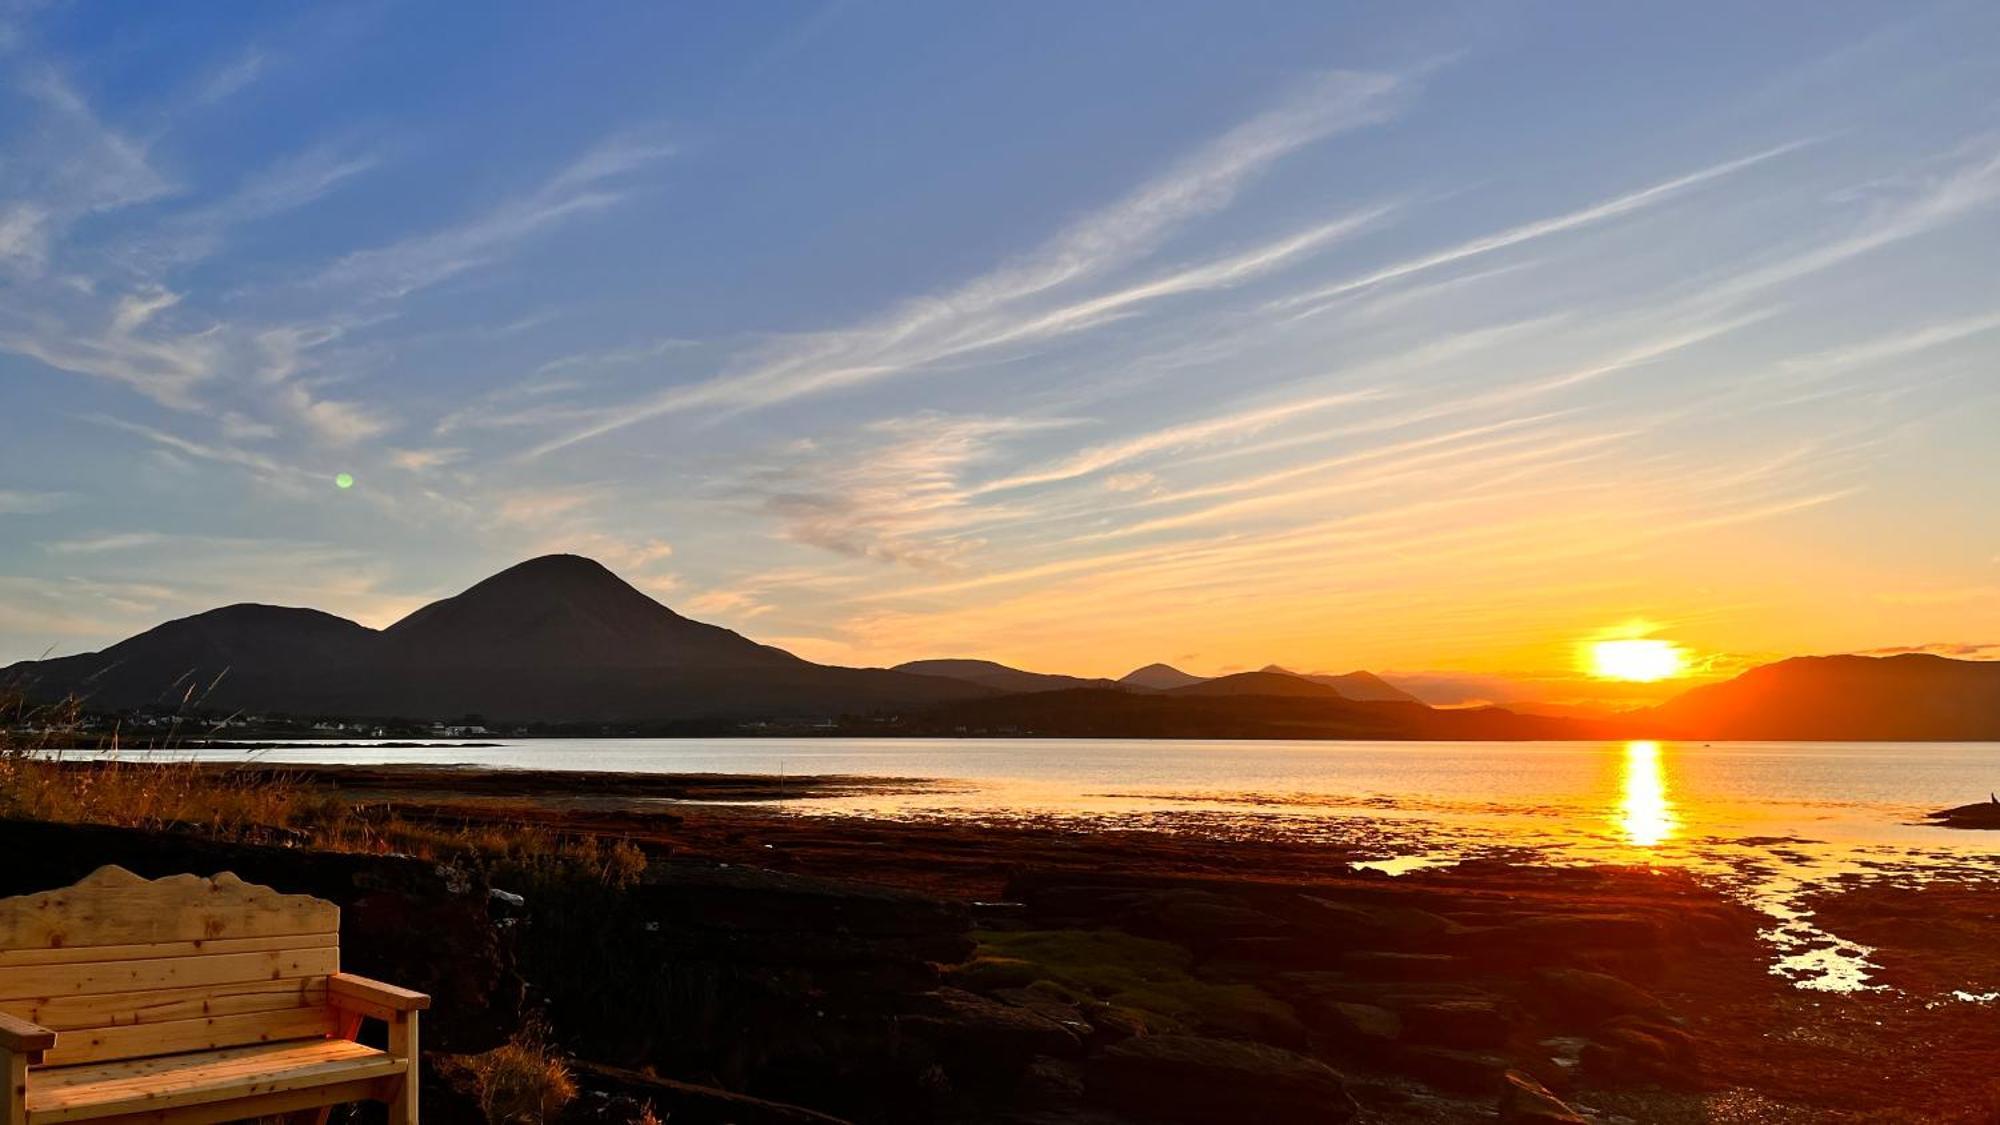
(1193, 1079)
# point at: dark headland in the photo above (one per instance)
(562, 640)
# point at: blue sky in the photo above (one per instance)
(1428, 338)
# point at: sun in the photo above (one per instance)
(1637, 659)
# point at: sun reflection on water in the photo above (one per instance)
(1645, 815)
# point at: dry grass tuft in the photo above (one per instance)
(522, 1082)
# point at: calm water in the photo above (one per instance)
(1773, 819)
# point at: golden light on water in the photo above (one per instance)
(1637, 659)
(1645, 815)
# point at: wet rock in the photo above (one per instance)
(1581, 998)
(1044, 1000)
(1979, 814)
(1051, 1084)
(1385, 966)
(1261, 956)
(1361, 1029)
(1524, 1101)
(757, 914)
(1193, 1079)
(1633, 1050)
(1472, 1073)
(1201, 919)
(686, 1103)
(1588, 931)
(1458, 1023)
(1354, 924)
(974, 1033)
(1110, 1023)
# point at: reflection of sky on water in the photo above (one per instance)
(1775, 820)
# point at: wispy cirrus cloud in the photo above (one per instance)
(421, 261)
(893, 493)
(98, 544)
(999, 308)
(1317, 300)
(14, 502)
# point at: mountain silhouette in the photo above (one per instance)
(1259, 683)
(236, 652)
(566, 611)
(1314, 712)
(1908, 697)
(1158, 677)
(1363, 687)
(555, 639)
(999, 676)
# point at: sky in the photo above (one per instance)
(1431, 339)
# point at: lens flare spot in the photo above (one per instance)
(343, 480)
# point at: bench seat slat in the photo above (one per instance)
(164, 1005)
(36, 982)
(150, 1085)
(255, 1108)
(206, 1034)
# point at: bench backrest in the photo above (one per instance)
(123, 967)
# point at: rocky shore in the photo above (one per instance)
(781, 968)
(1979, 814)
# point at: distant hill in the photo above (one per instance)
(1185, 714)
(241, 651)
(566, 611)
(998, 676)
(554, 639)
(1911, 697)
(1158, 677)
(1361, 686)
(561, 639)
(1259, 683)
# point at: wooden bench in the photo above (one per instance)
(185, 1000)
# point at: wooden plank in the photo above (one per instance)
(169, 1081)
(112, 906)
(348, 987)
(120, 1009)
(66, 955)
(40, 982)
(402, 1094)
(24, 1035)
(178, 1071)
(13, 1088)
(231, 1109)
(207, 1034)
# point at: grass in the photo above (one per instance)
(42, 777)
(522, 1081)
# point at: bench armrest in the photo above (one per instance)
(345, 990)
(18, 1036)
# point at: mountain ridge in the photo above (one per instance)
(556, 638)
(561, 638)
(996, 675)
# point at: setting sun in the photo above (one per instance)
(1639, 660)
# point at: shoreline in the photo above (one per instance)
(1422, 989)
